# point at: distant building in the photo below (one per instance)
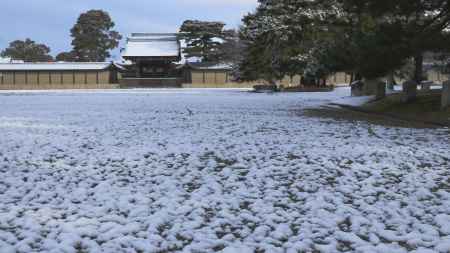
(154, 57)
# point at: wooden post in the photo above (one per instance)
(446, 95)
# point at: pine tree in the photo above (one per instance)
(272, 37)
(93, 36)
(203, 39)
(232, 48)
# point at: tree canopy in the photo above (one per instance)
(27, 50)
(269, 35)
(367, 37)
(93, 37)
(206, 40)
(66, 56)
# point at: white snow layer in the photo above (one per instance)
(214, 171)
(152, 45)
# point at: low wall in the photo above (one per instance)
(59, 86)
(46, 80)
(223, 79)
(213, 85)
(436, 76)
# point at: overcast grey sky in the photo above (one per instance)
(49, 21)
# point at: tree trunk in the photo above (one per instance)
(418, 71)
(411, 91)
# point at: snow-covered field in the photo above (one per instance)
(214, 171)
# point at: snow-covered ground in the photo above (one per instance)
(214, 171)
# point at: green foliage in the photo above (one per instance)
(269, 35)
(66, 56)
(93, 36)
(368, 37)
(232, 48)
(28, 51)
(385, 34)
(204, 39)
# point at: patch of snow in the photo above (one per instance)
(152, 45)
(204, 170)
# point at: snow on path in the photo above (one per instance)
(214, 171)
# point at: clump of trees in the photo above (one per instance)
(93, 38)
(28, 51)
(369, 38)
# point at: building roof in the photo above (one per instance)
(54, 66)
(210, 65)
(152, 45)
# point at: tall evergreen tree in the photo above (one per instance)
(273, 37)
(230, 51)
(93, 36)
(28, 51)
(203, 39)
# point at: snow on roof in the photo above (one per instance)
(56, 66)
(152, 45)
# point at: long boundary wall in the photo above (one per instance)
(223, 79)
(107, 79)
(214, 79)
(42, 80)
